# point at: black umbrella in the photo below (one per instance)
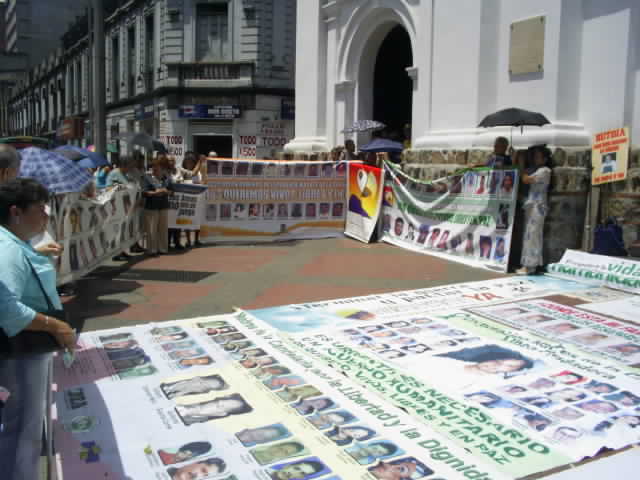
(514, 117)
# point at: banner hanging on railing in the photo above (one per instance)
(92, 230)
(270, 200)
(466, 217)
(365, 187)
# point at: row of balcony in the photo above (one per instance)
(188, 75)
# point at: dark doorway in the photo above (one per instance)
(392, 86)
(221, 144)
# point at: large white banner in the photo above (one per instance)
(472, 379)
(388, 307)
(613, 272)
(467, 217)
(254, 410)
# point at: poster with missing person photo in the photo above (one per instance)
(465, 217)
(259, 411)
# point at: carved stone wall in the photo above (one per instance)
(567, 198)
(568, 195)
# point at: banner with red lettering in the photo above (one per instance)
(610, 156)
(271, 200)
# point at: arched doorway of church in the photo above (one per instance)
(392, 86)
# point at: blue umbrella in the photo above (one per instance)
(54, 171)
(83, 157)
(379, 145)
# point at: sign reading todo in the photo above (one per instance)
(610, 156)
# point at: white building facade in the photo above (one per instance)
(431, 70)
(465, 64)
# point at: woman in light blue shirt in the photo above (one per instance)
(23, 216)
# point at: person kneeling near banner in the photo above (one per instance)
(535, 211)
(31, 280)
(156, 188)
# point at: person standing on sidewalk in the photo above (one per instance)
(28, 279)
(535, 211)
(156, 188)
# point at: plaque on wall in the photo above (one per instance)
(526, 46)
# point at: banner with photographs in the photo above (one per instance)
(613, 272)
(344, 312)
(600, 335)
(187, 206)
(260, 410)
(467, 217)
(270, 200)
(471, 379)
(365, 187)
(92, 230)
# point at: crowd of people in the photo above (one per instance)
(28, 290)
(157, 187)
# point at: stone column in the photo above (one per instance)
(311, 77)
(345, 105)
(331, 25)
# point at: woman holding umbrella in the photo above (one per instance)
(535, 210)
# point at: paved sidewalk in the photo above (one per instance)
(213, 279)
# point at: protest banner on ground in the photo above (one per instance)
(365, 186)
(261, 200)
(92, 230)
(344, 312)
(610, 156)
(187, 206)
(595, 333)
(613, 272)
(627, 308)
(472, 379)
(467, 217)
(260, 410)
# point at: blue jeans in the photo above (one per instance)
(23, 415)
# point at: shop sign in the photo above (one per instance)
(215, 112)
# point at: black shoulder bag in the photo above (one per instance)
(30, 342)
